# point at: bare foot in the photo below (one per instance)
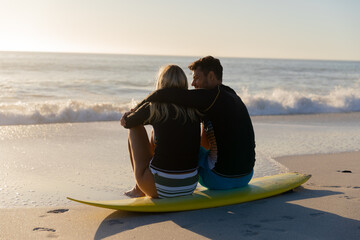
(134, 193)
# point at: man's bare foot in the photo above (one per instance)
(134, 193)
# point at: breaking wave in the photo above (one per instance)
(278, 102)
(68, 112)
(281, 102)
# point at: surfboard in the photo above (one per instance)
(203, 198)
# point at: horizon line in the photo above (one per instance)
(171, 55)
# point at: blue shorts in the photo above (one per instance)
(211, 180)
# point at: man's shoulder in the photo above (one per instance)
(227, 89)
(228, 92)
(230, 96)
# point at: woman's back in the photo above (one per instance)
(177, 144)
(171, 169)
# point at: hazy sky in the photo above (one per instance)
(306, 29)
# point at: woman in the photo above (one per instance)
(167, 165)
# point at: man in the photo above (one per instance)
(227, 155)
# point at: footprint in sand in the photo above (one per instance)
(252, 226)
(249, 233)
(316, 214)
(114, 222)
(44, 229)
(283, 218)
(58, 211)
(345, 171)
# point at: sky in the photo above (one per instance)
(294, 29)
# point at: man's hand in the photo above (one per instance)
(123, 118)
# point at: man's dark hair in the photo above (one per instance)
(208, 64)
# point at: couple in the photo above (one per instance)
(172, 162)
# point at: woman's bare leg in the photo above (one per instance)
(141, 154)
(135, 191)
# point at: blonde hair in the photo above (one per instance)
(171, 76)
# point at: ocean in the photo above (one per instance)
(39, 88)
(60, 135)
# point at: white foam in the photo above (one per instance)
(281, 102)
(277, 102)
(66, 112)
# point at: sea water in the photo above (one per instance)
(297, 107)
(41, 88)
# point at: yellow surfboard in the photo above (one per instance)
(203, 198)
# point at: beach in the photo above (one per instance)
(46, 163)
(60, 137)
(70, 70)
(326, 207)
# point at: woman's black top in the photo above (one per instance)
(176, 143)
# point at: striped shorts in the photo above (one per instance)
(170, 185)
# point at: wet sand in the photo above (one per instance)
(326, 207)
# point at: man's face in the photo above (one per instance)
(199, 79)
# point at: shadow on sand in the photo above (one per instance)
(271, 218)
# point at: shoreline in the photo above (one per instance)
(325, 207)
(43, 164)
(279, 118)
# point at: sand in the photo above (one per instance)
(326, 207)
(40, 165)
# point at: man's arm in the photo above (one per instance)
(139, 105)
(137, 117)
(201, 99)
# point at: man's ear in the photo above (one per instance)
(213, 78)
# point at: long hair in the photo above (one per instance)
(171, 76)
